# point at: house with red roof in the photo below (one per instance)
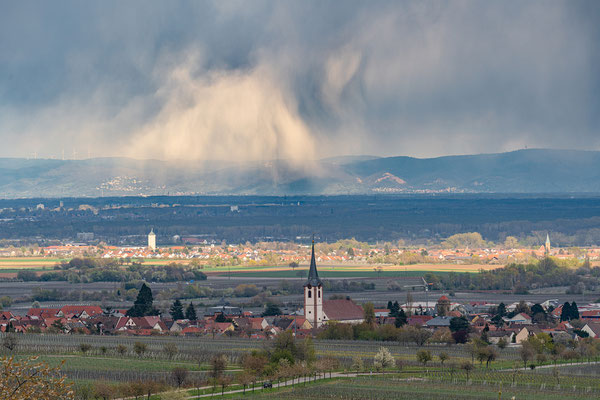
(418, 320)
(191, 331)
(217, 328)
(124, 324)
(342, 310)
(41, 313)
(590, 315)
(82, 312)
(6, 316)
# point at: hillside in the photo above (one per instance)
(523, 171)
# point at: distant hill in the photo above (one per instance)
(523, 171)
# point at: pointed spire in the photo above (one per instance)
(313, 275)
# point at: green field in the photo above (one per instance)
(16, 270)
(98, 363)
(392, 387)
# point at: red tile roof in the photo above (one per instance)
(42, 312)
(342, 310)
(76, 310)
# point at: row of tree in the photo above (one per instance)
(518, 277)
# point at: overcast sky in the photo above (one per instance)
(297, 79)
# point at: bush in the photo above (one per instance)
(140, 348)
(85, 347)
(27, 275)
(170, 350)
(383, 359)
(424, 356)
(121, 349)
(10, 342)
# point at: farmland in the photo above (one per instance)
(9, 266)
(378, 387)
(103, 362)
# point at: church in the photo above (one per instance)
(319, 311)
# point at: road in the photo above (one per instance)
(285, 383)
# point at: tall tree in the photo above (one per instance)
(394, 308)
(574, 311)
(459, 324)
(190, 312)
(369, 314)
(271, 310)
(400, 318)
(177, 310)
(538, 312)
(565, 314)
(143, 304)
(501, 311)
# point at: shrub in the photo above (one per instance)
(10, 342)
(85, 347)
(383, 359)
(170, 349)
(140, 348)
(424, 356)
(121, 349)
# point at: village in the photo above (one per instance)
(442, 321)
(203, 252)
(436, 317)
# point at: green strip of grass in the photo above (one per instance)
(78, 362)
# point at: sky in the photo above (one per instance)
(297, 80)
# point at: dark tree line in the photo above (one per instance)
(99, 270)
(517, 277)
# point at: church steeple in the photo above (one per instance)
(313, 275)
(313, 294)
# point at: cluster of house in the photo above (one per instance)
(197, 249)
(233, 321)
(316, 313)
(514, 329)
(223, 321)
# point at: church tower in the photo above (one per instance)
(547, 245)
(313, 294)
(152, 240)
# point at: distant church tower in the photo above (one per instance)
(313, 294)
(152, 240)
(547, 245)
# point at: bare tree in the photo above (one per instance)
(170, 350)
(10, 342)
(224, 381)
(467, 367)
(179, 375)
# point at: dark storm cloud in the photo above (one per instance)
(295, 80)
